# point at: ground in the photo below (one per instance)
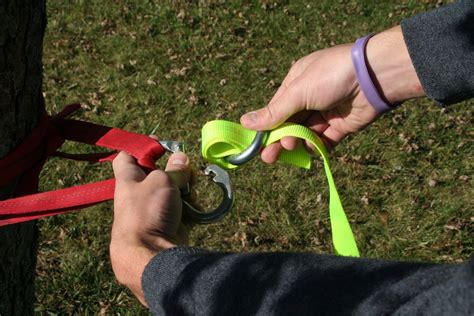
(405, 182)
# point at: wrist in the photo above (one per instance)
(128, 263)
(391, 68)
(129, 256)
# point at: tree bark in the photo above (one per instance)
(22, 26)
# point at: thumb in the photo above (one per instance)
(277, 112)
(178, 169)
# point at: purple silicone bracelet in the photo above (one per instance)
(363, 77)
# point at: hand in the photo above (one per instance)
(321, 92)
(147, 216)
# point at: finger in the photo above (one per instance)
(278, 111)
(290, 143)
(317, 123)
(310, 148)
(271, 153)
(178, 169)
(301, 117)
(331, 137)
(126, 169)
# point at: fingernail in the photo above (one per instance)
(179, 160)
(250, 118)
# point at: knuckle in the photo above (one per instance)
(160, 178)
(296, 91)
(299, 65)
(268, 111)
(117, 161)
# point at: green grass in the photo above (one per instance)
(139, 64)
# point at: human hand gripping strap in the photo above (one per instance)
(222, 138)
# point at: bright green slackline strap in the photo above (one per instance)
(222, 138)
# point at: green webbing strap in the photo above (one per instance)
(222, 138)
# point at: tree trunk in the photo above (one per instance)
(22, 25)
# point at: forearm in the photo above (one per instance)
(392, 68)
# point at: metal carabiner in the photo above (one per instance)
(219, 176)
(251, 151)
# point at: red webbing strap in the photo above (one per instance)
(144, 149)
(34, 206)
(28, 158)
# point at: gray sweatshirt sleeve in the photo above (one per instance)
(191, 281)
(441, 46)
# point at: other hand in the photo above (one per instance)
(147, 216)
(321, 92)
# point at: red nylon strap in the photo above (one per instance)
(28, 158)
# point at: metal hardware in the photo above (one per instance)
(172, 145)
(219, 176)
(222, 179)
(251, 151)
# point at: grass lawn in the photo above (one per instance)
(405, 182)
